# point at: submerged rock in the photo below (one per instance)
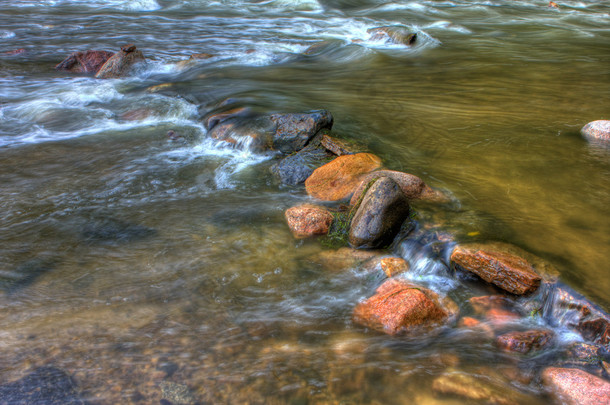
(120, 63)
(84, 62)
(15, 52)
(393, 266)
(249, 130)
(337, 179)
(308, 220)
(193, 59)
(393, 34)
(576, 387)
(178, 394)
(412, 186)
(114, 230)
(344, 258)
(293, 131)
(401, 307)
(26, 273)
(477, 388)
(524, 342)
(597, 130)
(380, 215)
(46, 385)
(507, 271)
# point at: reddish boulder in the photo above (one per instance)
(401, 307)
(84, 62)
(337, 179)
(392, 266)
(597, 130)
(508, 272)
(379, 216)
(120, 63)
(308, 220)
(293, 131)
(412, 186)
(576, 387)
(524, 342)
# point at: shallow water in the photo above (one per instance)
(154, 261)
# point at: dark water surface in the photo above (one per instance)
(141, 265)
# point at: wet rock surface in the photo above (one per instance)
(524, 342)
(380, 215)
(576, 387)
(337, 179)
(340, 147)
(121, 63)
(393, 34)
(597, 131)
(294, 131)
(393, 266)
(401, 307)
(84, 62)
(412, 186)
(308, 220)
(297, 167)
(46, 385)
(506, 271)
(344, 258)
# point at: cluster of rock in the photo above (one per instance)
(379, 207)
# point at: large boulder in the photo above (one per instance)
(308, 220)
(597, 130)
(337, 179)
(84, 62)
(412, 186)
(509, 272)
(576, 387)
(401, 307)
(524, 342)
(393, 34)
(120, 63)
(379, 216)
(293, 131)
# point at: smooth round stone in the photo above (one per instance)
(597, 130)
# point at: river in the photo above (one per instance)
(139, 264)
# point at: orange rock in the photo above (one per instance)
(399, 306)
(509, 272)
(337, 179)
(553, 4)
(469, 322)
(308, 220)
(392, 266)
(412, 186)
(572, 386)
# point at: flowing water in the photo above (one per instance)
(135, 262)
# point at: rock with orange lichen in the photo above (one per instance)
(337, 179)
(308, 220)
(399, 306)
(509, 272)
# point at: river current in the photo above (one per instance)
(143, 265)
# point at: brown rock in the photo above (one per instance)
(500, 317)
(392, 266)
(469, 322)
(477, 388)
(84, 62)
(380, 215)
(16, 52)
(254, 132)
(483, 304)
(344, 257)
(212, 119)
(524, 342)
(597, 130)
(412, 186)
(576, 387)
(401, 307)
(120, 63)
(137, 114)
(308, 220)
(580, 314)
(553, 4)
(339, 147)
(509, 272)
(337, 179)
(395, 35)
(293, 131)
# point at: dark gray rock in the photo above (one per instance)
(380, 215)
(294, 131)
(296, 168)
(45, 386)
